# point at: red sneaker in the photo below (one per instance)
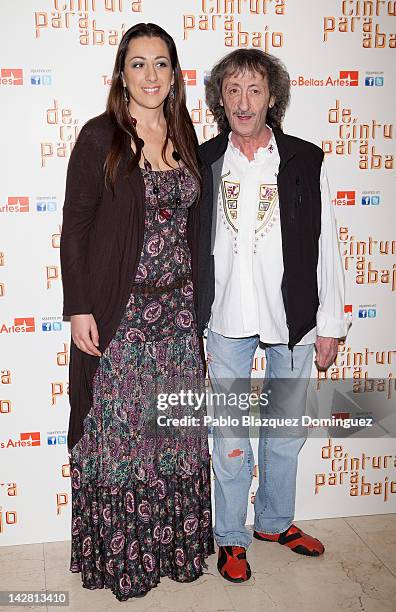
(295, 539)
(232, 563)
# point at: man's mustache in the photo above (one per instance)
(244, 113)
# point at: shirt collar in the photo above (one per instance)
(261, 154)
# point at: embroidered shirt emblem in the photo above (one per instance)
(268, 199)
(230, 191)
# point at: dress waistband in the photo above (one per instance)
(141, 288)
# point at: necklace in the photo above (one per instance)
(164, 212)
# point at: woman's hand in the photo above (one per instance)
(85, 335)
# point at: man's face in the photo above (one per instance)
(246, 98)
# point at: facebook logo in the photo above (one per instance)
(371, 81)
(374, 200)
(362, 313)
(48, 326)
(41, 79)
(53, 439)
(46, 206)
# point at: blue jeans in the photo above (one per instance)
(233, 461)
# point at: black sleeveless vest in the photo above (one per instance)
(300, 219)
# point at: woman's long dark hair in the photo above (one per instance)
(178, 121)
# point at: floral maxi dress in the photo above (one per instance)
(141, 505)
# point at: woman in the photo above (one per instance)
(141, 492)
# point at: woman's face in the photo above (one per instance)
(148, 73)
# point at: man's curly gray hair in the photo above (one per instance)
(251, 60)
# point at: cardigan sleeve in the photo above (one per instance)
(84, 184)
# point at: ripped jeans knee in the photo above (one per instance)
(232, 458)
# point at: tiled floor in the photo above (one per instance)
(357, 573)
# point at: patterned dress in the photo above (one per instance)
(141, 505)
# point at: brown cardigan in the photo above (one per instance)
(101, 243)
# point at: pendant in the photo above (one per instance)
(165, 213)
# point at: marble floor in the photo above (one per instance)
(357, 573)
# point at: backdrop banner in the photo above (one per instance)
(56, 63)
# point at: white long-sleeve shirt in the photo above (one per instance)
(248, 254)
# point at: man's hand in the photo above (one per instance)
(326, 352)
(85, 333)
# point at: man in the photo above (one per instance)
(269, 271)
